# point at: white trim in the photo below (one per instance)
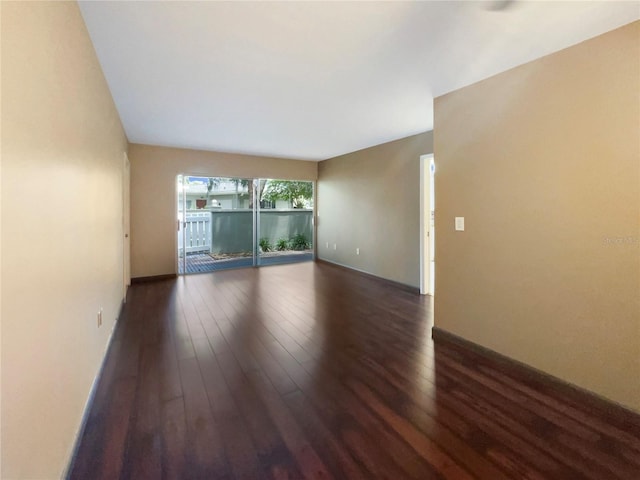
(126, 225)
(425, 212)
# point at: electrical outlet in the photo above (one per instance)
(327, 244)
(357, 251)
(100, 317)
(335, 246)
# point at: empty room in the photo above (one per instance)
(321, 240)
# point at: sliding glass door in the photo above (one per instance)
(284, 221)
(228, 223)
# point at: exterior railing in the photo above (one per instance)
(197, 232)
(231, 231)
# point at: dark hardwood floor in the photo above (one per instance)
(313, 371)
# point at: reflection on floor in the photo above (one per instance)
(203, 262)
(316, 371)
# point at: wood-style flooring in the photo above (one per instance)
(314, 371)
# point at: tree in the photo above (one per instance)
(261, 186)
(240, 183)
(299, 194)
(211, 183)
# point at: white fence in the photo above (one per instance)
(197, 233)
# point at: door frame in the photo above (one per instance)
(126, 225)
(426, 230)
(255, 183)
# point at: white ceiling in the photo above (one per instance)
(312, 80)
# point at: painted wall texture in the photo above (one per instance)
(370, 199)
(153, 195)
(543, 161)
(62, 236)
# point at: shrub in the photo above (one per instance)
(282, 244)
(265, 245)
(300, 242)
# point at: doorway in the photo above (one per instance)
(427, 224)
(231, 222)
(126, 226)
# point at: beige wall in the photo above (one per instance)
(153, 195)
(370, 199)
(62, 156)
(543, 161)
(0, 247)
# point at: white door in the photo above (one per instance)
(126, 224)
(426, 225)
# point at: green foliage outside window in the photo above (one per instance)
(300, 242)
(265, 245)
(300, 194)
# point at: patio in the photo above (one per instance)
(203, 262)
(211, 239)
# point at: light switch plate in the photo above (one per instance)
(459, 224)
